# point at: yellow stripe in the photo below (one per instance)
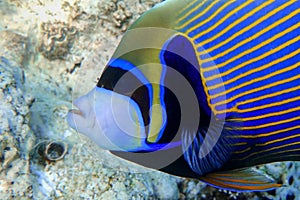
(255, 59)
(259, 89)
(270, 149)
(198, 15)
(294, 66)
(278, 154)
(263, 67)
(239, 144)
(236, 109)
(242, 151)
(278, 48)
(286, 101)
(241, 43)
(211, 16)
(190, 12)
(233, 12)
(246, 28)
(268, 124)
(269, 114)
(156, 116)
(265, 134)
(278, 140)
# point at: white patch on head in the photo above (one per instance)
(111, 120)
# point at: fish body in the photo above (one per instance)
(210, 88)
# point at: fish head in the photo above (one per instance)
(112, 121)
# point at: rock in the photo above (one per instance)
(13, 46)
(16, 138)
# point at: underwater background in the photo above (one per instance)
(52, 52)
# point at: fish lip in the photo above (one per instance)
(76, 111)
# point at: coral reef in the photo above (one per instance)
(56, 40)
(287, 173)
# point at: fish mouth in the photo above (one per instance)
(75, 116)
(77, 109)
(76, 112)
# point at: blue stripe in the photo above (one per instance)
(272, 109)
(259, 74)
(272, 119)
(245, 23)
(225, 24)
(284, 96)
(270, 129)
(264, 140)
(270, 90)
(258, 41)
(203, 17)
(211, 22)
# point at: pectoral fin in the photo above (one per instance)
(240, 180)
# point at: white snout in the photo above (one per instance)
(111, 120)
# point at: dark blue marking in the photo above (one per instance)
(126, 65)
(180, 55)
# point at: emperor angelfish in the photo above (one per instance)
(202, 89)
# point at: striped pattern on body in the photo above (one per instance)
(251, 49)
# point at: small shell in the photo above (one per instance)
(55, 151)
(52, 150)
